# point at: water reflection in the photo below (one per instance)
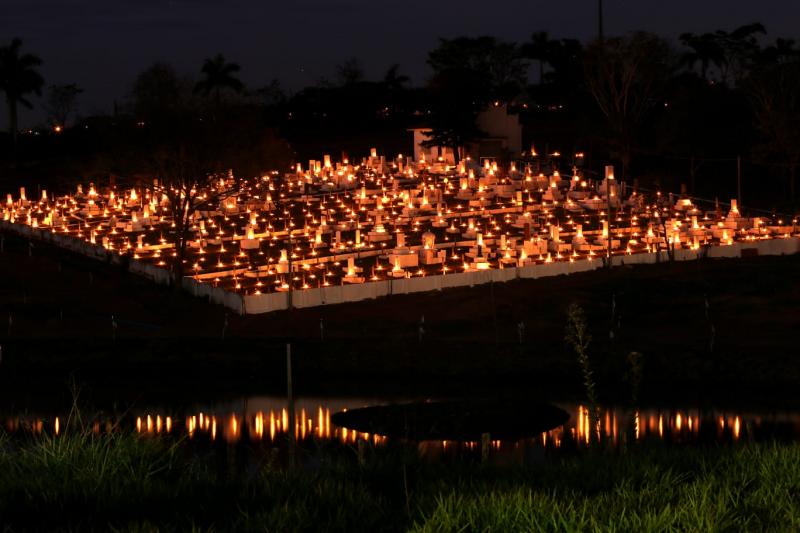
(267, 420)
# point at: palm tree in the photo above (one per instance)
(393, 80)
(350, 72)
(393, 89)
(741, 49)
(703, 49)
(782, 51)
(540, 48)
(219, 75)
(18, 78)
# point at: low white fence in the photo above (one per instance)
(265, 303)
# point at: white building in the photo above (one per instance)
(503, 137)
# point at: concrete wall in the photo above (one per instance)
(156, 274)
(265, 303)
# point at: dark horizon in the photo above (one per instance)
(102, 47)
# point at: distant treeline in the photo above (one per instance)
(666, 115)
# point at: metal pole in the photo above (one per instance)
(608, 216)
(600, 20)
(290, 402)
(291, 282)
(739, 180)
(494, 312)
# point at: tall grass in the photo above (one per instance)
(80, 480)
(577, 336)
(752, 489)
(71, 477)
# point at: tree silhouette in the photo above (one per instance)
(393, 90)
(469, 73)
(156, 91)
(192, 182)
(454, 110)
(350, 72)
(784, 50)
(219, 75)
(627, 78)
(393, 81)
(773, 91)
(741, 49)
(272, 93)
(704, 50)
(18, 78)
(540, 48)
(498, 67)
(61, 103)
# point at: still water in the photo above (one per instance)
(266, 421)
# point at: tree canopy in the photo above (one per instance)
(19, 77)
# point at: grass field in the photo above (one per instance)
(60, 332)
(122, 482)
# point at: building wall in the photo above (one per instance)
(432, 153)
(499, 124)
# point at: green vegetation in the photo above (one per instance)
(665, 490)
(578, 337)
(81, 480)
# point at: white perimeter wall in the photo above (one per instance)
(265, 303)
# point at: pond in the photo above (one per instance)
(263, 422)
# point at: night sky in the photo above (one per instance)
(102, 44)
